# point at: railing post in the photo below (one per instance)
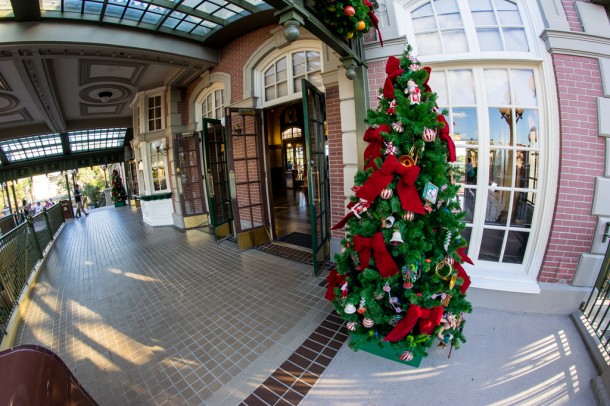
(46, 220)
(31, 226)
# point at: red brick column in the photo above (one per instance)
(335, 158)
(581, 160)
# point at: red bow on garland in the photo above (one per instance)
(428, 320)
(366, 247)
(443, 134)
(461, 271)
(375, 140)
(392, 68)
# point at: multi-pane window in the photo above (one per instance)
(498, 155)
(157, 163)
(439, 27)
(499, 25)
(283, 77)
(154, 113)
(213, 105)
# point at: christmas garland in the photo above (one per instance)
(348, 18)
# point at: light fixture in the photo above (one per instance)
(140, 165)
(105, 96)
(160, 147)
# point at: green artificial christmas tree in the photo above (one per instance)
(399, 282)
(118, 190)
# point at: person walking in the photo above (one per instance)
(78, 201)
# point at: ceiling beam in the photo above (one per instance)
(26, 10)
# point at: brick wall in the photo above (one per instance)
(572, 15)
(335, 155)
(376, 75)
(581, 160)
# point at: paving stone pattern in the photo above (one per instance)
(159, 316)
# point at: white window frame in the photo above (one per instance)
(491, 275)
(140, 108)
(528, 13)
(216, 87)
(266, 62)
(148, 173)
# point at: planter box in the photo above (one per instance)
(119, 204)
(385, 350)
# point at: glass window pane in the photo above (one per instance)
(527, 170)
(429, 44)
(466, 234)
(468, 198)
(270, 93)
(445, 6)
(461, 87)
(480, 5)
(313, 61)
(516, 244)
(298, 63)
(523, 210)
(424, 24)
(505, 5)
(455, 41)
(515, 39)
(465, 129)
(496, 83)
(510, 18)
(501, 168)
(425, 10)
(450, 20)
(282, 89)
(527, 128)
(438, 84)
(484, 18)
(500, 125)
(297, 85)
(522, 81)
(270, 76)
(489, 40)
(491, 245)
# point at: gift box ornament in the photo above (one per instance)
(430, 193)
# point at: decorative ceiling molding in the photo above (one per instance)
(88, 110)
(4, 85)
(8, 103)
(120, 94)
(15, 117)
(94, 71)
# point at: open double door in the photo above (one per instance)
(236, 182)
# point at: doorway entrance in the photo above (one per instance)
(287, 157)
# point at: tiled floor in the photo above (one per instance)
(149, 316)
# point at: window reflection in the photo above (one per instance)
(523, 209)
(527, 129)
(501, 168)
(491, 245)
(515, 247)
(497, 207)
(159, 179)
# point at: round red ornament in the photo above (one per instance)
(386, 193)
(349, 11)
(429, 135)
(368, 323)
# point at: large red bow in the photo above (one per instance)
(333, 280)
(444, 135)
(428, 320)
(366, 247)
(380, 179)
(393, 70)
(373, 150)
(374, 19)
(426, 85)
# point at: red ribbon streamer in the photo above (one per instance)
(367, 247)
(409, 198)
(375, 139)
(333, 280)
(393, 70)
(461, 271)
(444, 135)
(428, 320)
(374, 19)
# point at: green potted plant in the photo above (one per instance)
(119, 195)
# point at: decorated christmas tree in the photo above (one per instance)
(118, 190)
(399, 282)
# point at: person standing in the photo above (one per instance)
(78, 201)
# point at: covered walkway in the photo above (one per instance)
(165, 317)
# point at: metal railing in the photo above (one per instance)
(20, 250)
(597, 308)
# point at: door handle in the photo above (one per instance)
(316, 174)
(211, 183)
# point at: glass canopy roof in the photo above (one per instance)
(193, 19)
(42, 146)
